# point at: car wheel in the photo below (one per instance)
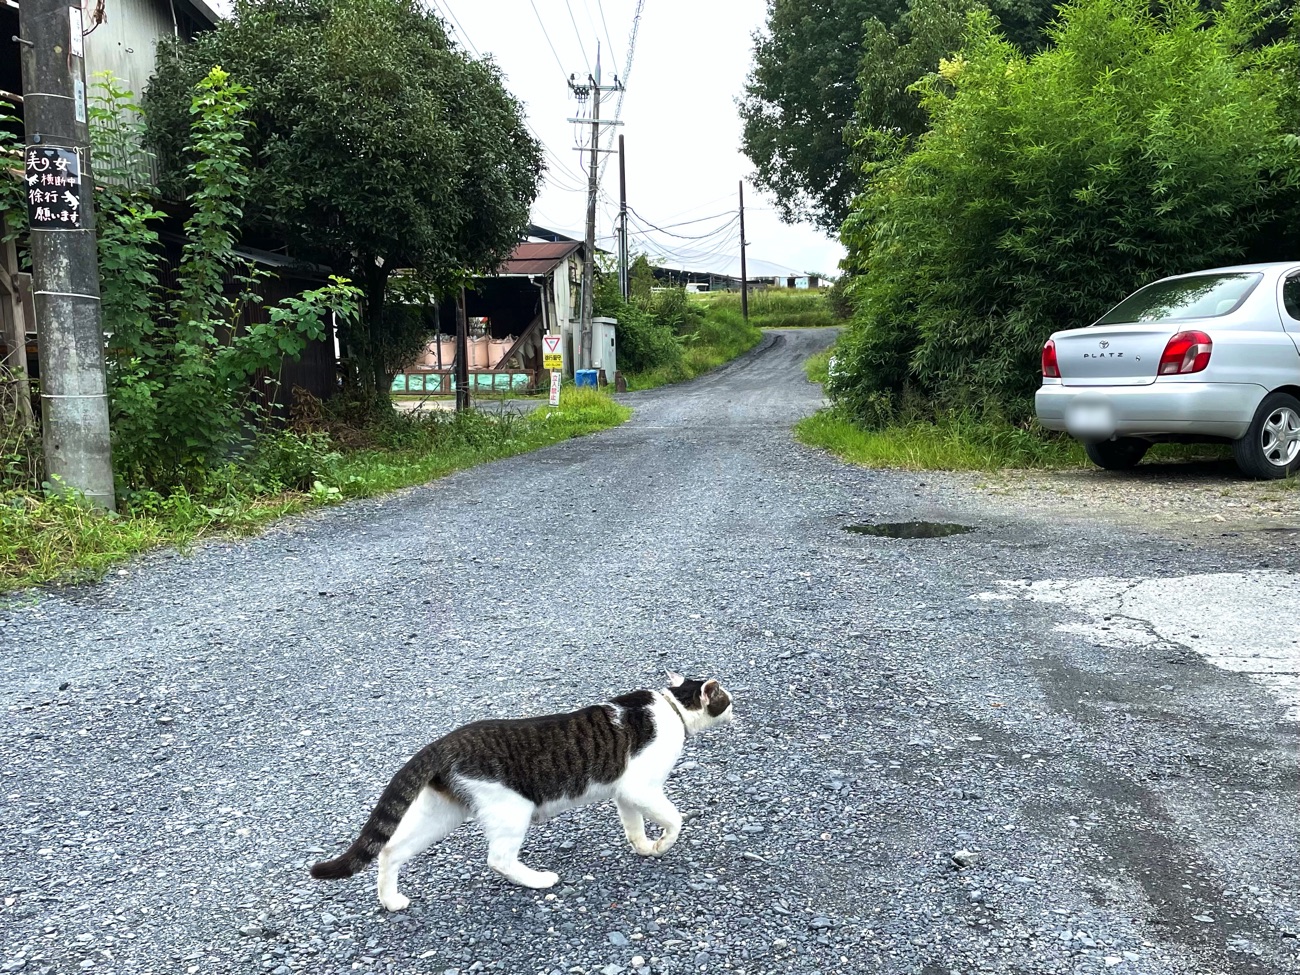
(1117, 455)
(1271, 447)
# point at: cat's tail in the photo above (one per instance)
(388, 812)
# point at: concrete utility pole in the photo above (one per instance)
(744, 278)
(65, 271)
(593, 90)
(625, 285)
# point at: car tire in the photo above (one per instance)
(1270, 450)
(1121, 454)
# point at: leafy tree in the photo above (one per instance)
(375, 145)
(800, 96)
(1142, 143)
(641, 279)
(831, 88)
(180, 365)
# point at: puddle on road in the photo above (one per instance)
(910, 529)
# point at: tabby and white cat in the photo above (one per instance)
(508, 774)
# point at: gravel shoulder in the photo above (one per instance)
(992, 752)
(1207, 502)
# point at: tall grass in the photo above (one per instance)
(773, 307)
(717, 339)
(817, 368)
(63, 539)
(951, 443)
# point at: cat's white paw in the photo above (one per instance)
(644, 847)
(398, 902)
(546, 878)
(663, 844)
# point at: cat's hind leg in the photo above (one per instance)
(505, 816)
(428, 819)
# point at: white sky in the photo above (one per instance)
(681, 124)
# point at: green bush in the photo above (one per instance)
(1143, 142)
(645, 342)
(285, 460)
(674, 309)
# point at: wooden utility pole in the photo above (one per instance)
(462, 355)
(625, 285)
(65, 270)
(744, 278)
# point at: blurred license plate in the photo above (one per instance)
(1089, 420)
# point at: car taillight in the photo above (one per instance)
(1050, 369)
(1186, 352)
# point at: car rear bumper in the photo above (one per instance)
(1191, 409)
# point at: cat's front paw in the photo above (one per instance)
(544, 879)
(398, 902)
(663, 844)
(644, 847)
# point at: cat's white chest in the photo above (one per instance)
(652, 765)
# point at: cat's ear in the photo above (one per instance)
(675, 679)
(707, 691)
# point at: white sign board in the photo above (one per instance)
(77, 44)
(555, 387)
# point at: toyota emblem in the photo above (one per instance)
(1104, 344)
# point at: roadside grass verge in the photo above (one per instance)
(773, 308)
(717, 340)
(62, 540)
(952, 443)
(817, 367)
(957, 442)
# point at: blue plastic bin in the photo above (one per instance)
(585, 377)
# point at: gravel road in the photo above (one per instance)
(952, 755)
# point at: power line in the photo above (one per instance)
(685, 223)
(542, 25)
(582, 47)
(713, 233)
(696, 258)
(699, 206)
(445, 5)
(627, 74)
(707, 241)
(601, 7)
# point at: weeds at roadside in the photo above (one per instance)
(959, 442)
(817, 367)
(954, 443)
(63, 539)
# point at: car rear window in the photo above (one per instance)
(1198, 296)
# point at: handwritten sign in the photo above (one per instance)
(555, 389)
(53, 177)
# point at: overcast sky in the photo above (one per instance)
(681, 126)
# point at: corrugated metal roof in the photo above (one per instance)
(532, 257)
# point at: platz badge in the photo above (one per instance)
(552, 358)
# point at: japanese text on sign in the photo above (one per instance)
(552, 357)
(53, 179)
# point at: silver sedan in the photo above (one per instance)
(1204, 357)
